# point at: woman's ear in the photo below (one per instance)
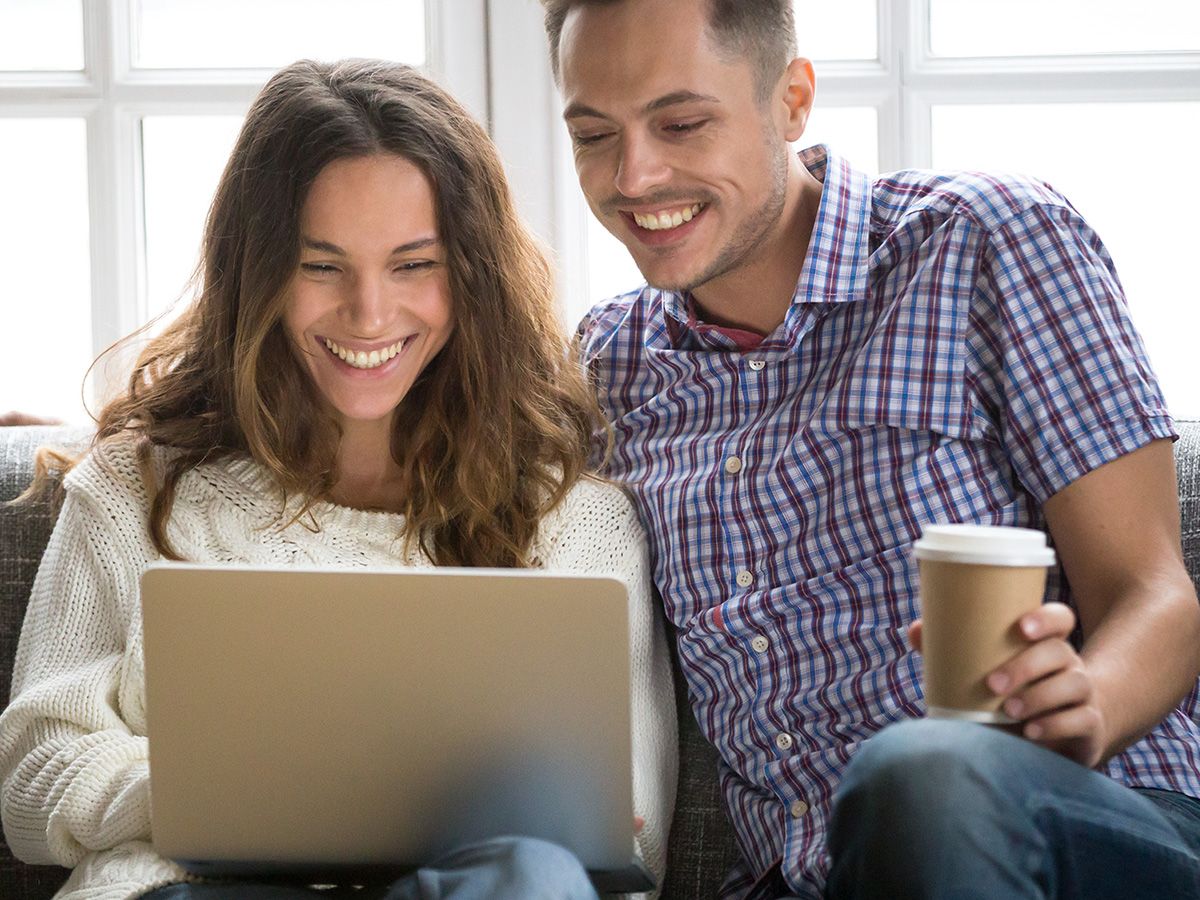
(799, 84)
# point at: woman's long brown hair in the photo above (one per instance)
(494, 431)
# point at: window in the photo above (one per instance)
(116, 117)
(1102, 104)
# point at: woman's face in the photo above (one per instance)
(369, 306)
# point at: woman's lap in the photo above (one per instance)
(498, 869)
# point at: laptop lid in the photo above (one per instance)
(316, 719)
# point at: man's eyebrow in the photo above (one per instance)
(326, 247)
(678, 97)
(580, 110)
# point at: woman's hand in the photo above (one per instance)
(19, 418)
(1047, 687)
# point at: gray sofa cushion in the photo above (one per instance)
(1187, 464)
(701, 849)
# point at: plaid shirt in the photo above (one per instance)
(957, 349)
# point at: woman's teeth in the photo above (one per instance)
(362, 360)
(667, 219)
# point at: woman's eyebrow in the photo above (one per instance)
(327, 247)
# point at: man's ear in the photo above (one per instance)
(799, 84)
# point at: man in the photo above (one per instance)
(819, 367)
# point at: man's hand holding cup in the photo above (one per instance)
(993, 653)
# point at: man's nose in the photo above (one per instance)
(641, 167)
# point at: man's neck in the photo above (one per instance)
(756, 296)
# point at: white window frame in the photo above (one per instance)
(112, 97)
(903, 85)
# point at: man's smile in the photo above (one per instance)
(667, 218)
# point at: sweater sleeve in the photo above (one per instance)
(75, 774)
(598, 531)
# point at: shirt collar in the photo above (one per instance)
(836, 267)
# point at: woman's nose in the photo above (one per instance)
(368, 304)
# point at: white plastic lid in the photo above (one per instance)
(989, 545)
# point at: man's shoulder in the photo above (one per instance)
(988, 200)
(606, 319)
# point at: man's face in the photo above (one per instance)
(675, 154)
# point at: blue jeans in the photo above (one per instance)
(938, 809)
(499, 869)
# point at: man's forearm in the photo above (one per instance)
(1144, 656)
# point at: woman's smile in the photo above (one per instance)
(369, 362)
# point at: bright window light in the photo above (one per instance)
(205, 34)
(1062, 27)
(47, 269)
(41, 35)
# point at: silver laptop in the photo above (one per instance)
(346, 726)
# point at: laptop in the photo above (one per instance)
(347, 726)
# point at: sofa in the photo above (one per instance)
(702, 846)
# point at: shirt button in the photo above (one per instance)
(757, 365)
(783, 741)
(760, 644)
(799, 808)
(733, 465)
(744, 579)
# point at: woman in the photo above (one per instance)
(372, 355)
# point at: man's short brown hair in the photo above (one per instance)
(763, 31)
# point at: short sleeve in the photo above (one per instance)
(1052, 345)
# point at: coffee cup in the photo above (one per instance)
(976, 582)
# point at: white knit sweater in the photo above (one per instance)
(73, 751)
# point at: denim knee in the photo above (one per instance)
(925, 802)
(535, 854)
(543, 865)
(920, 762)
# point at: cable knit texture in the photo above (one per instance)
(73, 750)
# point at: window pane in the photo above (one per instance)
(44, 254)
(271, 33)
(41, 35)
(1097, 155)
(842, 30)
(183, 157)
(610, 267)
(1039, 28)
(850, 131)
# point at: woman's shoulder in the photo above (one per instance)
(598, 497)
(125, 464)
(112, 472)
(595, 517)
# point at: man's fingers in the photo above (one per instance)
(1066, 689)
(638, 824)
(1078, 733)
(914, 635)
(1032, 664)
(1048, 620)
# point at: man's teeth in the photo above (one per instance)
(666, 219)
(362, 360)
